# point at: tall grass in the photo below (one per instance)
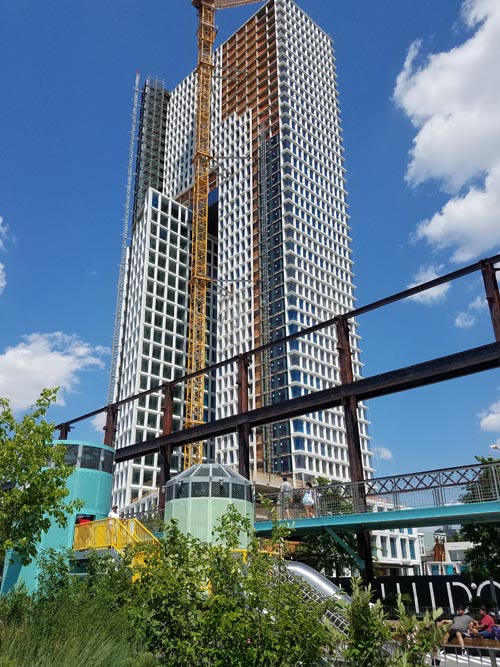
(69, 633)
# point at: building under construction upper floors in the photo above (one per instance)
(279, 255)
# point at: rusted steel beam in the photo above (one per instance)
(349, 403)
(243, 429)
(492, 294)
(429, 372)
(305, 332)
(110, 426)
(165, 453)
(350, 406)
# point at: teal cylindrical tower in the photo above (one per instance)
(199, 496)
(91, 481)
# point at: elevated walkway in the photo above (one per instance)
(431, 498)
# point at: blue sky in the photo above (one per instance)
(420, 98)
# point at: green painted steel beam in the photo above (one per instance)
(359, 561)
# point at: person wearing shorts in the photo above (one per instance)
(459, 627)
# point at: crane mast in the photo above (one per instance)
(196, 361)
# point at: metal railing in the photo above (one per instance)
(152, 519)
(435, 488)
(110, 533)
(451, 658)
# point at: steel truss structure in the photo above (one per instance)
(348, 394)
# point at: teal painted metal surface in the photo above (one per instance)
(94, 488)
(404, 518)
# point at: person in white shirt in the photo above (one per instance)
(113, 514)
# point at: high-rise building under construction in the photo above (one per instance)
(279, 257)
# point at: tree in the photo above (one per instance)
(32, 476)
(198, 604)
(483, 557)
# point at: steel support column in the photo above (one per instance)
(492, 295)
(165, 453)
(350, 406)
(110, 426)
(243, 429)
(64, 430)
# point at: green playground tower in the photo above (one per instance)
(199, 496)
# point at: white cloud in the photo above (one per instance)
(99, 421)
(3, 236)
(3, 233)
(467, 318)
(490, 418)
(468, 223)
(433, 295)
(45, 360)
(479, 303)
(453, 100)
(464, 320)
(383, 453)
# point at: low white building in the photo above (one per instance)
(396, 552)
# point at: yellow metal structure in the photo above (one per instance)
(111, 533)
(196, 361)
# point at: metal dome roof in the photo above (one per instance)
(209, 480)
(209, 471)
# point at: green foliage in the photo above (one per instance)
(15, 607)
(483, 557)
(38, 475)
(392, 600)
(66, 635)
(369, 642)
(374, 641)
(65, 625)
(54, 576)
(418, 638)
(196, 604)
(109, 580)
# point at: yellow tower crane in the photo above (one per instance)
(196, 360)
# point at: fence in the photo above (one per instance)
(435, 488)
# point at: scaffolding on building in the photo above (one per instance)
(151, 141)
(114, 379)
